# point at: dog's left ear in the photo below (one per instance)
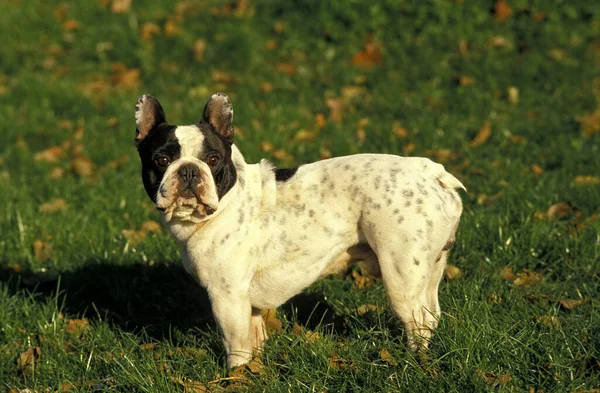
(218, 112)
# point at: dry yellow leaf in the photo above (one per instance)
(465, 80)
(120, 6)
(77, 326)
(336, 109)
(399, 130)
(569, 304)
(304, 135)
(483, 135)
(71, 25)
(502, 10)
(513, 94)
(408, 149)
(589, 123)
(151, 226)
(55, 205)
(508, 274)
(387, 357)
(527, 278)
(282, 155)
(550, 321)
(171, 28)
(266, 146)
(370, 56)
(452, 272)
(360, 281)
(41, 250)
(125, 78)
(286, 68)
(559, 211)
(28, 360)
(538, 170)
(366, 308)
(587, 180)
(349, 93)
(82, 166)
(272, 323)
(51, 154)
(148, 31)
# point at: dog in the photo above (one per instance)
(254, 235)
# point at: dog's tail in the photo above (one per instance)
(447, 180)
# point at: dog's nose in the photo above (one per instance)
(188, 173)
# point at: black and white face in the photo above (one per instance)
(186, 170)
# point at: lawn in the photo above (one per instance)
(505, 94)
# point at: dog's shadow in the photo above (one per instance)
(139, 297)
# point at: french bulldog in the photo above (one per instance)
(254, 235)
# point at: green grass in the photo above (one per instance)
(133, 294)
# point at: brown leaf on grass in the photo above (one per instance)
(360, 281)
(361, 134)
(465, 80)
(483, 135)
(538, 170)
(224, 77)
(560, 211)
(115, 164)
(508, 274)
(497, 42)
(151, 226)
(266, 146)
(271, 45)
(279, 27)
(387, 357)
(336, 109)
(51, 154)
(199, 49)
(484, 199)
(336, 362)
(272, 323)
(452, 272)
(527, 278)
(550, 321)
(41, 250)
(442, 155)
(54, 206)
(513, 94)
(570, 304)
(192, 353)
(82, 166)
(320, 121)
(350, 93)
(125, 78)
(587, 180)
(502, 10)
(309, 335)
(148, 31)
(366, 308)
(120, 6)
(134, 237)
(194, 387)
(399, 130)
(149, 346)
(283, 155)
(77, 326)
(29, 360)
(70, 25)
(286, 68)
(495, 297)
(589, 123)
(408, 149)
(370, 56)
(266, 87)
(171, 28)
(493, 379)
(304, 135)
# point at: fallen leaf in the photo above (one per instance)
(134, 237)
(587, 180)
(360, 281)
(51, 154)
(279, 27)
(77, 326)
(41, 250)
(224, 77)
(483, 135)
(589, 123)
(349, 93)
(54, 206)
(271, 45)
(120, 6)
(171, 28)
(149, 346)
(408, 149)
(336, 109)
(538, 170)
(497, 42)
(304, 135)
(399, 130)
(527, 278)
(387, 357)
(452, 272)
(336, 362)
(370, 56)
(148, 31)
(266, 146)
(513, 94)
(366, 308)
(508, 274)
(29, 360)
(194, 387)
(502, 10)
(361, 134)
(272, 323)
(465, 80)
(560, 211)
(255, 366)
(282, 155)
(82, 166)
(320, 121)
(125, 78)
(193, 353)
(495, 297)
(70, 25)
(151, 226)
(483, 199)
(286, 68)
(493, 379)
(550, 321)
(570, 304)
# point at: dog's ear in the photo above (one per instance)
(148, 114)
(218, 112)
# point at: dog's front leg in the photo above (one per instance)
(233, 313)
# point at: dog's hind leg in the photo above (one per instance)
(406, 277)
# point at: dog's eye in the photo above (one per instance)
(212, 160)
(163, 161)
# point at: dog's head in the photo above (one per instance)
(186, 169)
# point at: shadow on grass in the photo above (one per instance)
(150, 298)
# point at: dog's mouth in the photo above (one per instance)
(186, 205)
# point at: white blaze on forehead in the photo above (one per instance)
(190, 139)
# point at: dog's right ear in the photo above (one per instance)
(148, 114)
